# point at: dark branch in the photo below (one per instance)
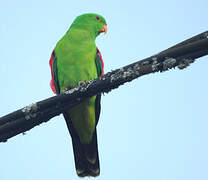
(180, 55)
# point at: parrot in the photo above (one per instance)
(76, 59)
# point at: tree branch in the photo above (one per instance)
(180, 55)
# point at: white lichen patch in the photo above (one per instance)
(145, 63)
(82, 86)
(169, 63)
(30, 111)
(185, 63)
(129, 73)
(136, 69)
(85, 86)
(154, 58)
(114, 77)
(155, 64)
(89, 83)
(70, 91)
(29, 108)
(155, 67)
(117, 75)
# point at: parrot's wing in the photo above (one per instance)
(54, 76)
(100, 71)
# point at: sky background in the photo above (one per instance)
(152, 128)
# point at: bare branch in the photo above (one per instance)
(180, 55)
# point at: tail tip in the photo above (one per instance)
(89, 173)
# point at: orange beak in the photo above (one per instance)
(104, 29)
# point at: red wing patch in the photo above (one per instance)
(52, 83)
(102, 73)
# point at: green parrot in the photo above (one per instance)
(76, 59)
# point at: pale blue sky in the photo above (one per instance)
(152, 128)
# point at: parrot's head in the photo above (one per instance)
(94, 23)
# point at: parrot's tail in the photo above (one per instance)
(85, 155)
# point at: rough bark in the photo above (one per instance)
(180, 55)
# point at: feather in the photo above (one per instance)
(99, 63)
(52, 82)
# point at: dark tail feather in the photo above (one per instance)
(85, 155)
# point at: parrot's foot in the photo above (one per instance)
(81, 83)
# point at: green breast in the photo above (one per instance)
(75, 60)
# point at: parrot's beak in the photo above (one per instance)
(104, 29)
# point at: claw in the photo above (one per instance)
(81, 83)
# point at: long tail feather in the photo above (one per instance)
(85, 155)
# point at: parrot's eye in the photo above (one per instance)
(97, 18)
